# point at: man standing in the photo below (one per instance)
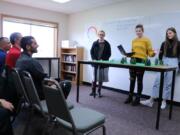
(15, 51)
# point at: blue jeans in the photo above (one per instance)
(167, 80)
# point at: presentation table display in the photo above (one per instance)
(156, 66)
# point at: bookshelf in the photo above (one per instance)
(69, 58)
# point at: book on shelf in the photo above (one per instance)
(70, 68)
(70, 58)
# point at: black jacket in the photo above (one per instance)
(169, 52)
(106, 52)
(27, 63)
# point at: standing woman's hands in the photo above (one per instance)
(154, 53)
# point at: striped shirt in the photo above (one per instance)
(142, 48)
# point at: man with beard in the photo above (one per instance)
(27, 63)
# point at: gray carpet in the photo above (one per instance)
(122, 119)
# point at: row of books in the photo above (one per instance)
(70, 68)
(70, 58)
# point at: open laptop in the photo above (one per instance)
(123, 52)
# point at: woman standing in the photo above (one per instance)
(101, 50)
(142, 48)
(170, 55)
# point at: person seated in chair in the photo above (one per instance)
(4, 47)
(15, 51)
(11, 58)
(31, 65)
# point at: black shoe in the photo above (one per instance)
(136, 102)
(128, 100)
(92, 94)
(99, 94)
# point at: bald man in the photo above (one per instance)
(5, 45)
(5, 107)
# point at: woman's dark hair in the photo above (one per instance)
(25, 41)
(14, 36)
(174, 42)
(140, 26)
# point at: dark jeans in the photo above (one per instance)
(136, 74)
(5, 124)
(66, 87)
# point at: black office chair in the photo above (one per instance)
(14, 79)
(76, 120)
(19, 85)
(32, 93)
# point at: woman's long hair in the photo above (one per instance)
(174, 43)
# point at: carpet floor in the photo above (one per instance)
(121, 119)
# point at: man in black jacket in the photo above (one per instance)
(27, 63)
(101, 50)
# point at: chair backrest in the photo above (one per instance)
(56, 102)
(31, 90)
(18, 84)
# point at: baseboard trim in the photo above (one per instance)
(126, 92)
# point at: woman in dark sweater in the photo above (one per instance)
(100, 50)
(170, 55)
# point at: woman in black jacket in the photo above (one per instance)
(101, 50)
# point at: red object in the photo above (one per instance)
(12, 57)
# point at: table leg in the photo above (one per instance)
(160, 99)
(172, 94)
(95, 81)
(59, 68)
(78, 76)
(49, 68)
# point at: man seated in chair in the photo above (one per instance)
(27, 63)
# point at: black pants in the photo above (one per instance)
(66, 87)
(136, 75)
(5, 123)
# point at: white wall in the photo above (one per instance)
(39, 14)
(77, 31)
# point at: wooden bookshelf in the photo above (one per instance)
(69, 58)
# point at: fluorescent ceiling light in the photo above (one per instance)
(61, 1)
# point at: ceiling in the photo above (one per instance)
(71, 7)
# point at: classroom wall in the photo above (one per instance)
(78, 24)
(38, 14)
